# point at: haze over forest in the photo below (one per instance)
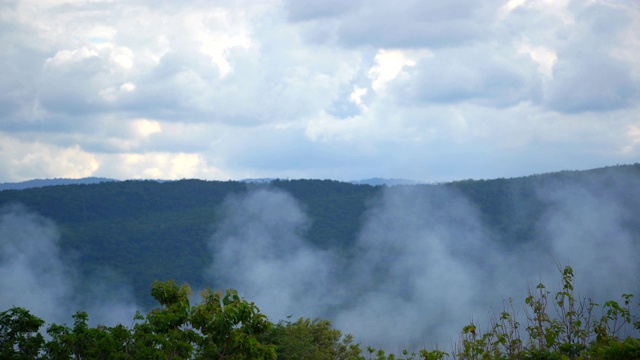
(397, 266)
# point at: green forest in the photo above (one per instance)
(390, 257)
(149, 230)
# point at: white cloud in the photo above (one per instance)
(157, 165)
(509, 6)
(633, 145)
(389, 64)
(357, 94)
(24, 160)
(64, 57)
(408, 89)
(101, 34)
(146, 127)
(122, 57)
(544, 57)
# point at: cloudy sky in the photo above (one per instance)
(425, 90)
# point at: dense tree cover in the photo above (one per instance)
(219, 327)
(508, 206)
(311, 339)
(146, 230)
(558, 326)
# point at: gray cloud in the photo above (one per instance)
(309, 77)
(316, 9)
(591, 82)
(587, 76)
(399, 25)
(500, 79)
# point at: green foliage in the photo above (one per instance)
(226, 326)
(150, 230)
(312, 340)
(230, 328)
(571, 331)
(19, 336)
(424, 354)
(628, 349)
(219, 327)
(84, 342)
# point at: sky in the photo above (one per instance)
(429, 91)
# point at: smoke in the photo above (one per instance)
(260, 250)
(31, 273)
(421, 256)
(418, 267)
(590, 224)
(35, 275)
(424, 265)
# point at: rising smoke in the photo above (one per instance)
(424, 264)
(591, 224)
(36, 276)
(31, 272)
(260, 248)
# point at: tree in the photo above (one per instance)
(230, 328)
(220, 327)
(312, 340)
(85, 342)
(19, 336)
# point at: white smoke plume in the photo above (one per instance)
(36, 276)
(424, 264)
(423, 258)
(260, 250)
(31, 272)
(589, 225)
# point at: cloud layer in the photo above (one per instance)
(321, 89)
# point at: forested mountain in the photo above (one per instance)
(319, 248)
(147, 230)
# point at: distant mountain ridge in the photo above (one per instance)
(36, 183)
(387, 182)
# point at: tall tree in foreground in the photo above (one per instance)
(19, 336)
(312, 340)
(220, 327)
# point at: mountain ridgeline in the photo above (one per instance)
(143, 231)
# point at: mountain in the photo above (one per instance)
(95, 180)
(142, 230)
(382, 181)
(51, 182)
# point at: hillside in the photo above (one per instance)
(147, 230)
